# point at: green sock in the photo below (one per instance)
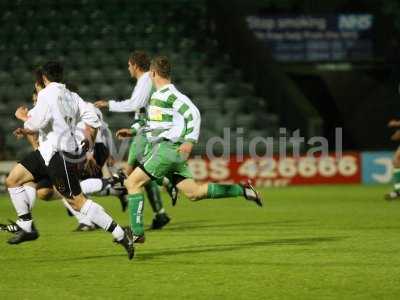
(216, 190)
(154, 196)
(136, 204)
(396, 179)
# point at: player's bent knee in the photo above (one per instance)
(10, 182)
(133, 186)
(18, 176)
(136, 181)
(13, 181)
(192, 190)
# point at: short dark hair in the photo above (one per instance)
(38, 74)
(162, 66)
(53, 70)
(141, 59)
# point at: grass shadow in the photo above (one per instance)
(235, 246)
(186, 226)
(148, 256)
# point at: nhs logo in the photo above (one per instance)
(355, 22)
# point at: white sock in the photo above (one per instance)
(161, 211)
(118, 233)
(99, 217)
(82, 219)
(96, 214)
(31, 194)
(25, 225)
(91, 185)
(20, 200)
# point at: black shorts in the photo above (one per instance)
(101, 154)
(44, 183)
(64, 171)
(34, 163)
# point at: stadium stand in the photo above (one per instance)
(94, 40)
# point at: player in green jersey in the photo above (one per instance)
(138, 66)
(173, 126)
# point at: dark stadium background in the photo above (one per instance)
(231, 75)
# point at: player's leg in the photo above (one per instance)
(396, 170)
(138, 149)
(19, 190)
(30, 190)
(45, 193)
(92, 180)
(63, 174)
(198, 191)
(156, 164)
(44, 189)
(94, 185)
(134, 184)
(171, 190)
(22, 196)
(101, 153)
(132, 163)
(160, 218)
(395, 194)
(84, 222)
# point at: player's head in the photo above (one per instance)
(39, 84)
(52, 71)
(138, 63)
(160, 68)
(34, 95)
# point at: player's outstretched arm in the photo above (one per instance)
(38, 116)
(31, 136)
(22, 113)
(101, 104)
(138, 99)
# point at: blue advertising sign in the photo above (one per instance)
(376, 167)
(311, 38)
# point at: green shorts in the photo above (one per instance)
(138, 149)
(164, 160)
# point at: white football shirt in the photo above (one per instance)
(59, 110)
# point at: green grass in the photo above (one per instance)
(322, 242)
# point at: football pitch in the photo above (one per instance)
(325, 242)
